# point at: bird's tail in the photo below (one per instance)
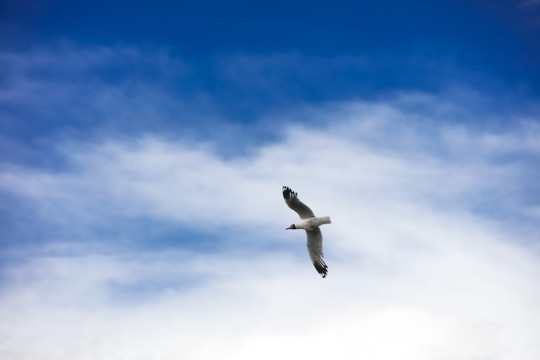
(325, 220)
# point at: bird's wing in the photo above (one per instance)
(314, 246)
(291, 198)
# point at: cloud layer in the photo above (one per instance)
(432, 251)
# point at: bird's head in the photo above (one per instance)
(292, 227)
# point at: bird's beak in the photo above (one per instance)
(289, 228)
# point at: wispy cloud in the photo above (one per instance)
(162, 242)
(67, 89)
(454, 301)
(432, 250)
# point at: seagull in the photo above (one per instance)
(310, 223)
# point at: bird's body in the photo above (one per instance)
(310, 223)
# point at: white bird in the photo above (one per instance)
(310, 223)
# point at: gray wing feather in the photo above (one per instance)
(314, 246)
(291, 198)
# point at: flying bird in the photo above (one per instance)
(310, 223)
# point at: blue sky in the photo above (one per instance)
(143, 147)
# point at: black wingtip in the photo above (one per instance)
(321, 269)
(288, 193)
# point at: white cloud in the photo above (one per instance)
(458, 303)
(422, 265)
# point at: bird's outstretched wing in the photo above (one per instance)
(291, 198)
(314, 246)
